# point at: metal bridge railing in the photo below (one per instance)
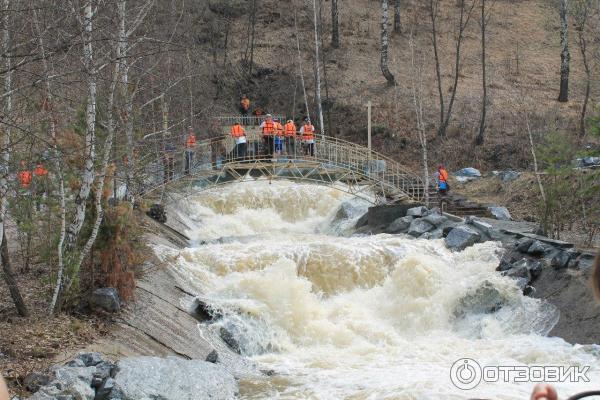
(161, 162)
(248, 120)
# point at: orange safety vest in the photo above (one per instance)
(309, 132)
(443, 175)
(237, 131)
(279, 128)
(191, 141)
(40, 170)
(268, 128)
(25, 178)
(290, 129)
(245, 104)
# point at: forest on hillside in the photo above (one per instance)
(493, 84)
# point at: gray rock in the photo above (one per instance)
(362, 221)
(591, 161)
(416, 211)
(172, 379)
(400, 225)
(69, 383)
(212, 357)
(435, 219)
(104, 392)
(535, 269)
(106, 299)
(509, 176)
(461, 237)
(437, 234)
(500, 213)
(89, 359)
(467, 174)
(561, 260)
(523, 244)
(231, 341)
(519, 270)
(76, 362)
(35, 380)
(419, 227)
(433, 210)
(484, 300)
(346, 211)
(537, 248)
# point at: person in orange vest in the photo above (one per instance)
(268, 131)
(190, 148)
(308, 138)
(278, 139)
(289, 132)
(238, 134)
(24, 176)
(244, 105)
(442, 180)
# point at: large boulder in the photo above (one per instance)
(384, 215)
(500, 213)
(509, 176)
(35, 380)
(419, 226)
(416, 211)
(484, 300)
(523, 244)
(461, 237)
(346, 211)
(537, 248)
(172, 379)
(69, 383)
(106, 299)
(467, 174)
(400, 225)
(435, 219)
(561, 260)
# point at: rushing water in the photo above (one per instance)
(338, 316)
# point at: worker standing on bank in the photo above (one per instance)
(289, 132)
(238, 133)
(268, 131)
(245, 106)
(190, 148)
(308, 138)
(442, 180)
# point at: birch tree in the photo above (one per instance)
(300, 64)
(582, 11)
(87, 178)
(384, 44)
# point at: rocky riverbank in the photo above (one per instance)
(543, 268)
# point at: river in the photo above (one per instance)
(337, 316)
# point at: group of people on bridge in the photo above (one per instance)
(276, 139)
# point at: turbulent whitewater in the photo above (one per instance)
(340, 316)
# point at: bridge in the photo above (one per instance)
(164, 163)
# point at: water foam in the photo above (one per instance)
(357, 317)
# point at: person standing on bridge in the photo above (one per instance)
(308, 138)
(239, 136)
(278, 138)
(190, 148)
(268, 131)
(244, 105)
(289, 132)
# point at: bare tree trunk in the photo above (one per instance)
(9, 278)
(433, 11)
(384, 44)
(581, 28)
(480, 136)
(535, 163)
(335, 25)
(90, 132)
(7, 272)
(252, 35)
(397, 20)
(565, 56)
(318, 71)
(300, 65)
(462, 25)
(57, 164)
(417, 91)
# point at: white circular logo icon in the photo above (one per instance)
(465, 373)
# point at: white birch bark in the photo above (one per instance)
(318, 71)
